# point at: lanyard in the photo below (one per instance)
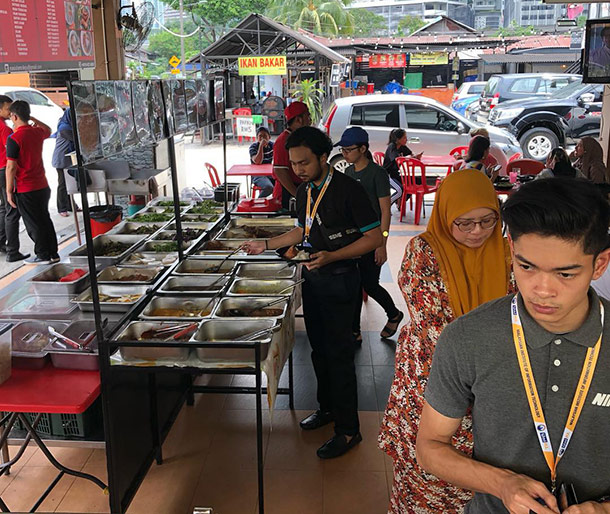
(309, 215)
(584, 382)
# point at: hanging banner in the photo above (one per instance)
(429, 59)
(45, 35)
(262, 65)
(387, 61)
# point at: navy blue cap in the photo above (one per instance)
(353, 136)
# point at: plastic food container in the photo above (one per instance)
(134, 331)
(5, 351)
(41, 307)
(47, 282)
(29, 340)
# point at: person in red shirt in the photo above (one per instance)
(9, 216)
(26, 184)
(286, 183)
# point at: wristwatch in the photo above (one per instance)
(385, 233)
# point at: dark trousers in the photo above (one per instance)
(328, 307)
(9, 220)
(34, 208)
(63, 199)
(369, 275)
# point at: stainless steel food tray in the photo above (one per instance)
(200, 218)
(150, 246)
(138, 215)
(79, 256)
(279, 221)
(170, 235)
(156, 201)
(135, 329)
(176, 302)
(85, 302)
(199, 225)
(249, 303)
(199, 266)
(65, 357)
(266, 270)
(260, 287)
(127, 228)
(193, 286)
(148, 259)
(47, 281)
(112, 275)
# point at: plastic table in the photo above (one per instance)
(48, 390)
(250, 170)
(439, 161)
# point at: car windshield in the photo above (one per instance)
(569, 90)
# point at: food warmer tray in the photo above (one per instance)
(85, 302)
(194, 286)
(112, 275)
(47, 281)
(177, 302)
(135, 329)
(79, 256)
(249, 303)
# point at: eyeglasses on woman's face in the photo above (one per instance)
(468, 225)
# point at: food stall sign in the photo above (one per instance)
(245, 126)
(429, 59)
(262, 65)
(387, 61)
(46, 35)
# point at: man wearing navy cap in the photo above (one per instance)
(286, 183)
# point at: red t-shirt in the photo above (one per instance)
(25, 147)
(282, 160)
(5, 132)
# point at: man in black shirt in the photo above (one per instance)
(337, 223)
(261, 152)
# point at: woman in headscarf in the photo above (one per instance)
(460, 262)
(558, 165)
(588, 157)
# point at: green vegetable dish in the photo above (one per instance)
(165, 247)
(168, 203)
(152, 217)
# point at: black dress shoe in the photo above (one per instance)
(17, 257)
(3, 249)
(338, 445)
(316, 420)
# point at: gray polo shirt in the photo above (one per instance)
(475, 365)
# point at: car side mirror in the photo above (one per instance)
(586, 98)
(461, 128)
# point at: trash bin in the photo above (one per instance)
(104, 217)
(370, 88)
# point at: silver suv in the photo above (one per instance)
(431, 126)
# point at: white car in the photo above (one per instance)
(41, 106)
(431, 127)
(468, 89)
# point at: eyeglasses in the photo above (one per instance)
(349, 149)
(485, 224)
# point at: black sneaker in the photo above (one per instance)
(55, 259)
(38, 260)
(16, 257)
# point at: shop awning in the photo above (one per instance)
(562, 57)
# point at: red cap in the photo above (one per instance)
(295, 109)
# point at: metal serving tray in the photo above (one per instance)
(199, 266)
(266, 270)
(138, 215)
(135, 329)
(79, 256)
(37, 306)
(29, 340)
(47, 281)
(198, 225)
(260, 287)
(194, 286)
(170, 235)
(177, 302)
(128, 228)
(279, 221)
(150, 259)
(151, 246)
(200, 218)
(223, 331)
(114, 275)
(248, 304)
(155, 202)
(85, 302)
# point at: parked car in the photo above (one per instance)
(472, 111)
(541, 124)
(431, 126)
(501, 88)
(462, 104)
(468, 89)
(41, 105)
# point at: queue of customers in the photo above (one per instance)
(502, 363)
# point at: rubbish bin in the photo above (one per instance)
(104, 217)
(370, 88)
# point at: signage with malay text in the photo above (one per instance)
(45, 35)
(429, 59)
(262, 65)
(387, 61)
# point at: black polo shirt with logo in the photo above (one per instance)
(344, 214)
(475, 365)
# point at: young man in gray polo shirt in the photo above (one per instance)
(532, 369)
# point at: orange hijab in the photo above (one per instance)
(473, 275)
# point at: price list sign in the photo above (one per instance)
(45, 35)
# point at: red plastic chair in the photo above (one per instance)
(255, 191)
(459, 152)
(413, 173)
(527, 166)
(378, 158)
(241, 111)
(214, 179)
(515, 156)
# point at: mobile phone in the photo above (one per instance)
(566, 496)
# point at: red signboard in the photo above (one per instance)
(387, 61)
(44, 35)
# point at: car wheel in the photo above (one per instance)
(538, 142)
(339, 163)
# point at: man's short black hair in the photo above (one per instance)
(21, 109)
(570, 209)
(314, 139)
(262, 129)
(5, 100)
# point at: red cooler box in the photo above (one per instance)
(258, 205)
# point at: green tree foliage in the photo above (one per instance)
(409, 24)
(368, 24)
(515, 30)
(324, 17)
(164, 45)
(307, 91)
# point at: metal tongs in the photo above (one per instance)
(251, 336)
(292, 286)
(68, 341)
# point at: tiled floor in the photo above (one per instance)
(210, 454)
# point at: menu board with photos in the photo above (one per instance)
(87, 121)
(46, 35)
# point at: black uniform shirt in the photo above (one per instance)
(344, 214)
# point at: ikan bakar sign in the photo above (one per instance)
(262, 65)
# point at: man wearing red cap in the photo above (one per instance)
(286, 183)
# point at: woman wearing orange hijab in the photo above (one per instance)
(460, 262)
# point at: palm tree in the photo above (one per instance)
(307, 91)
(324, 17)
